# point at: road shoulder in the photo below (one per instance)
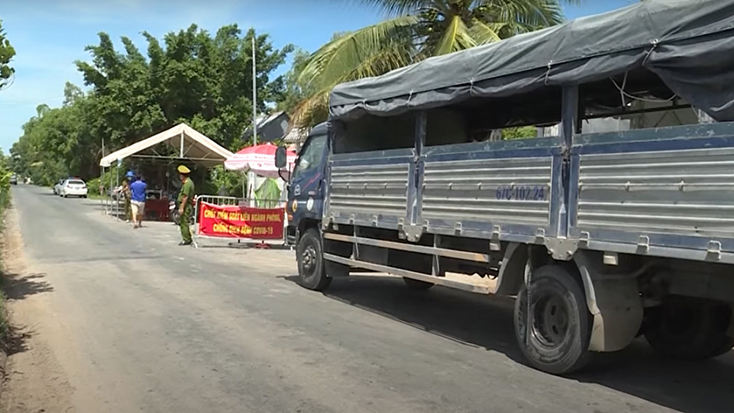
(33, 379)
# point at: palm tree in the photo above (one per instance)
(413, 31)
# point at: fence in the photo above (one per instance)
(156, 206)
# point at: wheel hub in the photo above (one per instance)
(309, 258)
(550, 321)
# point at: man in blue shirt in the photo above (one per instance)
(137, 200)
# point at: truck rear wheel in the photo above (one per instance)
(555, 336)
(689, 328)
(311, 268)
(417, 285)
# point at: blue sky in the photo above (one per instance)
(49, 35)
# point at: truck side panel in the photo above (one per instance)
(497, 189)
(665, 192)
(369, 188)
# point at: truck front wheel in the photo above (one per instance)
(689, 328)
(311, 268)
(554, 329)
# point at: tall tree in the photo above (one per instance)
(188, 76)
(195, 77)
(72, 93)
(415, 30)
(6, 55)
(293, 92)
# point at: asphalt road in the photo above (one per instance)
(134, 323)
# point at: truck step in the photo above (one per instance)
(479, 285)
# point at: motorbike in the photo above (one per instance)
(174, 215)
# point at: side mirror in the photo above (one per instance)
(281, 157)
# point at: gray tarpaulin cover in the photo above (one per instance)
(689, 44)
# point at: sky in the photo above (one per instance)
(49, 35)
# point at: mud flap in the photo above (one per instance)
(613, 301)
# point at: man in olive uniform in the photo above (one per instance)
(127, 195)
(185, 202)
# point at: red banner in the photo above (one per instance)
(231, 221)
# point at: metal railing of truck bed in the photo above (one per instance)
(660, 192)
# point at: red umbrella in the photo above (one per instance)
(259, 159)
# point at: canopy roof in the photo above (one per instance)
(189, 144)
(689, 44)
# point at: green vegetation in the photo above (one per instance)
(294, 92)
(522, 132)
(6, 72)
(6, 55)
(414, 30)
(4, 203)
(191, 76)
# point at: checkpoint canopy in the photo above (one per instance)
(188, 143)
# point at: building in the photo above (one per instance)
(276, 126)
(269, 127)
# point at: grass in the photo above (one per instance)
(4, 203)
(4, 326)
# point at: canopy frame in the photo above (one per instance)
(183, 138)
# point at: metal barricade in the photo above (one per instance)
(113, 206)
(245, 204)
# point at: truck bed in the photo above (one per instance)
(665, 192)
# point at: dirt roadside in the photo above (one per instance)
(33, 379)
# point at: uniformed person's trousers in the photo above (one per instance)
(128, 209)
(184, 225)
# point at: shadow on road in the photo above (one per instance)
(16, 340)
(255, 245)
(486, 322)
(19, 287)
(687, 387)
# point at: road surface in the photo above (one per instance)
(123, 320)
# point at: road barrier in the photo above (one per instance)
(239, 218)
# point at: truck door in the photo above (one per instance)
(306, 191)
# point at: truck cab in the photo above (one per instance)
(306, 189)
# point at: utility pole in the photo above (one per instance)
(250, 175)
(254, 93)
(102, 187)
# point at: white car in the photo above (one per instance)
(57, 187)
(73, 187)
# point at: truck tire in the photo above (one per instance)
(689, 329)
(560, 323)
(311, 268)
(417, 285)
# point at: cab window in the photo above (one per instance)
(311, 156)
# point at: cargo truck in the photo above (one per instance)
(600, 236)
